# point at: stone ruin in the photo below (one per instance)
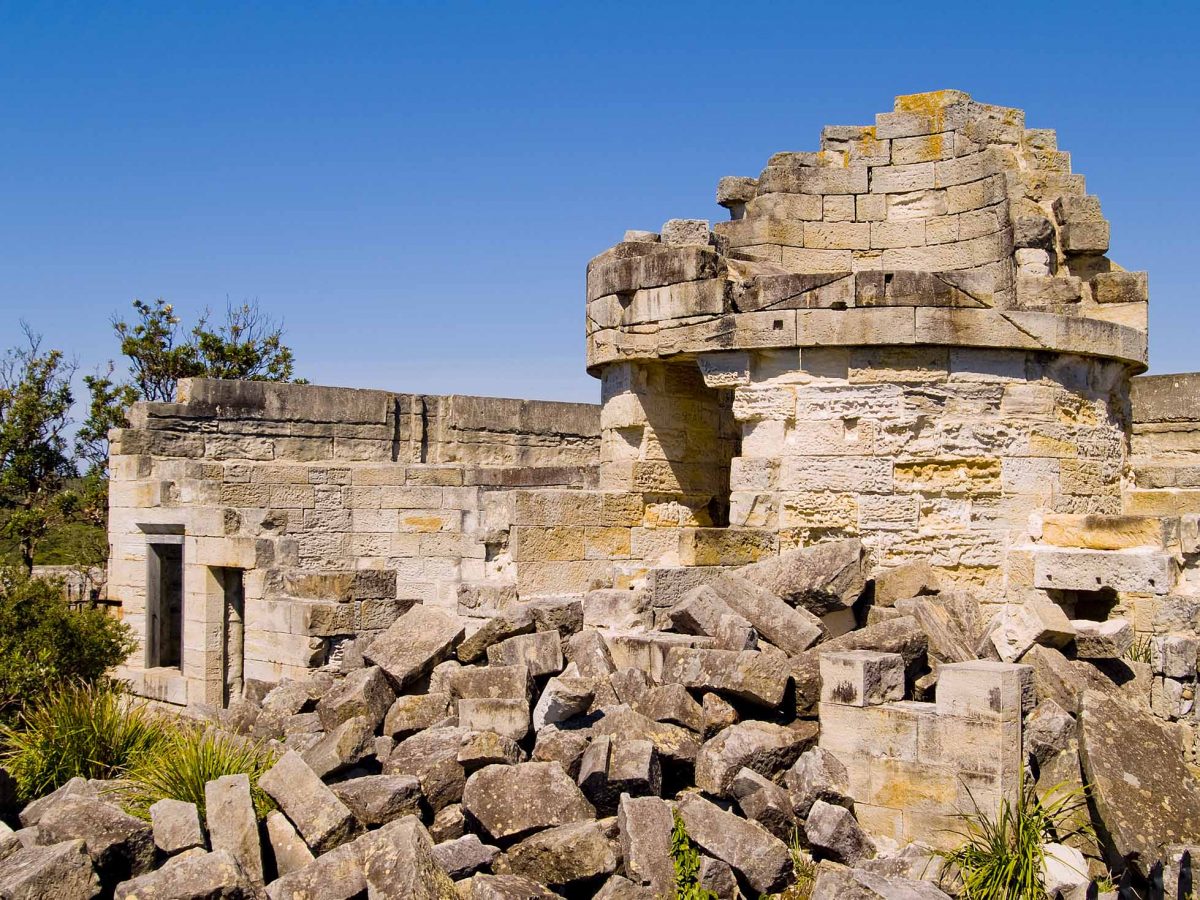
(876, 521)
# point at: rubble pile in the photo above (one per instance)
(548, 752)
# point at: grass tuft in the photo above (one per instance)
(86, 730)
(686, 858)
(192, 757)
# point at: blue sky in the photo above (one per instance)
(416, 188)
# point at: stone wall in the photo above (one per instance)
(1165, 445)
(341, 508)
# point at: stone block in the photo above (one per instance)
(1090, 570)
(983, 688)
(232, 826)
(176, 826)
(1174, 655)
(287, 847)
(861, 677)
(1102, 640)
(509, 718)
(540, 653)
(759, 857)
(763, 747)
(378, 799)
(1019, 626)
(321, 818)
(512, 801)
(414, 644)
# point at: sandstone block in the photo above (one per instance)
(320, 817)
(364, 692)
(1020, 626)
(120, 845)
(511, 801)
(188, 877)
(817, 775)
(589, 653)
(983, 688)
(564, 855)
(232, 825)
(464, 856)
(506, 717)
(509, 887)
(1090, 570)
(414, 644)
(644, 825)
(1174, 655)
(822, 578)
(762, 747)
(861, 677)
(540, 652)
(793, 630)
(431, 757)
(509, 623)
(746, 675)
(415, 712)
(758, 856)
(398, 861)
(176, 826)
(562, 699)
(1102, 640)
(288, 849)
(670, 741)
(486, 748)
(671, 703)
(508, 681)
(763, 801)
(833, 832)
(349, 743)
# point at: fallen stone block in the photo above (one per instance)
(817, 775)
(364, 692)
(792, 630)
(671, 703)
(336, 875)
(1172, 655)
(563, 746)
(449, 824)
(348, 744)
(398, 861)
(176, 826)
(861, 677)
(512, 801)
(622, 610)
(1127, 757)
(509, 887)
(1102, 640)
(414, 644)
(201, 877)
(611, 767)
(415, 712)
(493, 681)
(322, 819)
(288, 849)
(509, 623)
(717, 876)
(700, 612)
(562, 699)
(464, 856)
(1140, 571)
(540, 653)
(718, 714)
(74, 788)
(763, 801)
(758, 856)
(1048, 730)
(833, 832)
(1064, 872)
(644, 825)
(589, 653)
(232, 826)
(431, 757)
(747, 675)
(120, 845)
(619, 887)
(985, 688)
(910, 580)
(820, 578)
(561, 614)
(1020, 626)
(61, 871)
(762, 747)
(486, 748)
(564, 855)
(506, 717)
(839, 883)
(670, 741)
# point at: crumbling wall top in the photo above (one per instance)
(947, 222)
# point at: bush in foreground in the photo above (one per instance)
(78, 729)
(44, 643)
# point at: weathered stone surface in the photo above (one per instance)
(288, 849)
(839, 883)
(759, 857)
(336, 875)
(701, 611)
(821, 578)
(1127, 758)
(414, 644)
(1021, 626)
(510, 623)
(511, 801)
(717, 876)
(861, 677)
(1064, 872)
(74, 788)
(398, 861)
(611, 767)
(746, 675)
(561, 614)
(364, 692)
(719, 714)
(644, 825)
(765, 802)
(415, 712)
(486, 748)
(206, 876)
(562, 699)
(322, 819)
(619, 887)
(762, 747)
(910, 580)
(540, 652)
(589, 653)
(509, 887)
(492, 681)
(670, 741)
(378, 799)
(834, 833)
(793, 630)
(671, 703)
(449, 823)
(176, 826)
(563, 746)
(1048, 730)
(58, 872)
(432, 758)
(618, 609)
(349, 743)
(232, 826)
(464, 856)
(1102, 640)
(506, 717)
(120, 845)
(566, 854)
(817, 775)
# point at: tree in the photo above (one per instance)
(247, 345)
(35, 399)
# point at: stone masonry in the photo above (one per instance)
(875, 452)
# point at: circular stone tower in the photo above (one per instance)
(912, 336)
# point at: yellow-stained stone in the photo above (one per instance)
(1102, 532)
(974, 476)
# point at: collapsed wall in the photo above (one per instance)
(887, 420)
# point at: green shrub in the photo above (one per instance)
(1141, 649)
(686, 858)
(85, 730)
(44, 643)
(191, 757)
(1001, 857)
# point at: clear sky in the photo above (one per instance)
(416, 188)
